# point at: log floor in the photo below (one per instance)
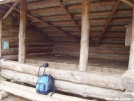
(71, 63)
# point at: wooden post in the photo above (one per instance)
(84, 36)
(131, 57)
(22, 31)
(0, 38)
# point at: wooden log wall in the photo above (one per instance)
(36, 42)
(112, 46)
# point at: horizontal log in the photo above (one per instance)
(114, 46)
(95, 56)
(15, 45)
(7, 27)
(53, 1)
(110, 40)
(127, 96)
(101, 13)
(70, 7)
(39, 50)
(105, 39)
(43, 27)
(59, 44)
(28, 40)
(83, 90)
(128, 80)
(28, 92)
(3, 94)
(61, 38)
(104, 80)
(97, 33)
(93, 33)
(72, 64)
(14, 51)
(98, 50)
(2, 11)
(15, 57)
(66, 43)
(29, 34)
(94, 21)
(35, 3)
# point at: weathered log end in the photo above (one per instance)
(128, 80)
(127, 96)
(3, 94)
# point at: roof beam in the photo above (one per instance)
(108, 22)
(10, 10)
(128, 11)
(68, 14)
(71, 18)
(34, 3)
(7, 1)
(68, 23)
(45, 23)
(114, 27)
(74, 6)
(128, 2)
(96, 3)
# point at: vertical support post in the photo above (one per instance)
(22, 31)
(0, 38)
(131, 57)
(84, 49)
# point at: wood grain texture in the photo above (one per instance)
(84, 47)
(108, 21)
(22, 32)
(80, 89)
(128, 37)
(10, 10)
(128, 80)
(111, 81)
(131, 57)
(0, 38)
(7, 1)
(128, 2)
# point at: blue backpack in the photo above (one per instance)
(45, 83)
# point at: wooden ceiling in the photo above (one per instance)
(63, 17)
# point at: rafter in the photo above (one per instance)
(71, 18)
(128, 2)
(108, 22)
(68, 14)
(45, 23)
(7, 1)
(73, 6)
(10, 10)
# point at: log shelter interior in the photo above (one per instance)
(83, 36)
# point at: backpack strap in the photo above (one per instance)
(39, 71)
(45, 66)
(53, 86)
